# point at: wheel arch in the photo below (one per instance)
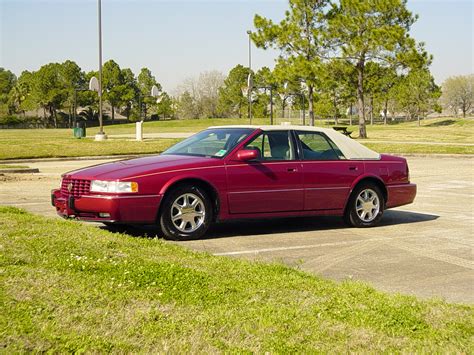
(208, 187)
(368, 179)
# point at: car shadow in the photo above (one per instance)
(273, 226)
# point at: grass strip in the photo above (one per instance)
(68, 287)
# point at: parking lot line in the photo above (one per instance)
(307, 246)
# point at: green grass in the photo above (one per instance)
(179, 125)
(42, 143)
(67, 287)
(448, 130)
(398, 148)
(47, 143)
(9, 166)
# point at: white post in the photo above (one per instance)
(139, 131)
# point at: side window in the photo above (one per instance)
(317, 147)
(275, 145)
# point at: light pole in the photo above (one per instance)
(101, 135)
(249, 80)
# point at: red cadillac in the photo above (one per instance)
(238, 172)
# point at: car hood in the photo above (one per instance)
(127, 169)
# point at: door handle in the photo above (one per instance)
(292, 170)
(353, 168)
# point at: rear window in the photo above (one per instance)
(316, 146)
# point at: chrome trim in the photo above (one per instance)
(260, 191)
(105, 197)
(266, 162)
(328, 188)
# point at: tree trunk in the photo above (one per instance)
(311, 104)
(385, 111)
(360, 99)
(113, 112)
(283, 105)
(371, 110)
(335, 108)
(350, 114)
(53, 116)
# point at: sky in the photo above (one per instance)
(182, 38)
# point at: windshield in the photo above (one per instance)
(214, 143)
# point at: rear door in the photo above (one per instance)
(273, 182)
(328, 176)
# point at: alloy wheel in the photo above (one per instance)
(367, 205)
(188, 213)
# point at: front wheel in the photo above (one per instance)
(186, 213)
(365, 207)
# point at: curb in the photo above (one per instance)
(19, 171)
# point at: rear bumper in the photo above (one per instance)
(399, 195)
(114, 209)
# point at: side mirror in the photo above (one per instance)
(247, 154)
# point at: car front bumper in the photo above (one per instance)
(140, 209)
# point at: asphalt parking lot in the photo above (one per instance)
(424, 249)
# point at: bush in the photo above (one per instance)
(10, 120)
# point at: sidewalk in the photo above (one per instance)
(169, 135)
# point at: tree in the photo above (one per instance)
(231, 101)
(208, 86)
(417, 94)
(187, 106)
(71, 78)
(288, 83)
(299, 37)
(458, 93)
(264, 81)
(129, 91)
(165, 106)
(7, 82)
(48, 91)
(362, 31)
(336, 88)
(19, 99)
(204, 92)
(145, 82)
(112, 85)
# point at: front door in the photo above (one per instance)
(271, 183)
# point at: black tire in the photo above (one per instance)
(357, 219)
(170, 229)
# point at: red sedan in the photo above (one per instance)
(238, 172)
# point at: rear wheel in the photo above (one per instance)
(186, 213)
(365, 208)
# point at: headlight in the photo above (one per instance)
(113, 186)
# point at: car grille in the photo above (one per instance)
(78, 187)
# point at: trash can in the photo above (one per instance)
(80, 130)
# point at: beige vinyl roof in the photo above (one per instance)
(351, 149)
